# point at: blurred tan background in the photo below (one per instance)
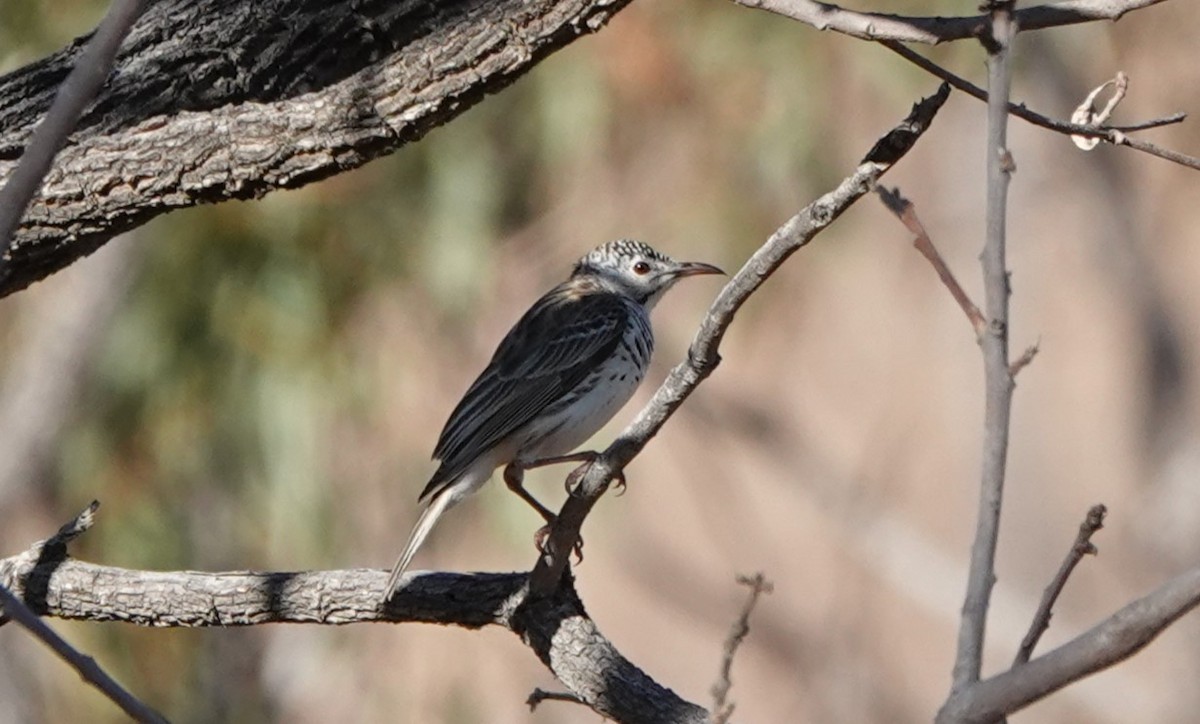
(259, 385)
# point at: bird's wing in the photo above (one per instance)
(547, 353)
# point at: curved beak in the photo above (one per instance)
(694, 268)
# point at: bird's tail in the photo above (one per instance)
(429, 517)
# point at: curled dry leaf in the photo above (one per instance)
(1086, 115)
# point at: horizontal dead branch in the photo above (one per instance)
(555, 627)
(932, 30)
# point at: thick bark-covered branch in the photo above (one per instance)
(73, 97)
(229, 99)
(555, 627)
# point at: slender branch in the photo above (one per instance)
(703, 355)
(758, 585)
(933, 30)
(74, 95)
(1120, 139)
(87, 667)
(1080, 548)
(994, 343)
(1113, 640)
(1116, 135)
(903, 209)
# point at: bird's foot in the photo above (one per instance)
(575, 476)
(542, 536)
(572, 483)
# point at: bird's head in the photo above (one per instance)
(637, 270)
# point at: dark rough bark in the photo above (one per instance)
(229, 99)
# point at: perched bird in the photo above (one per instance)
(557, 377)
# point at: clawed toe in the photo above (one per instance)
(540, 536)
(543, 535)
(575, 476)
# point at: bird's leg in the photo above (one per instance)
(587, 457)
(514, 478)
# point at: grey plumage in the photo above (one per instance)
(558, 376)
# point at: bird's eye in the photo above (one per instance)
(641, 268)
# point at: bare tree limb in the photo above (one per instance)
(555, 627)
(722, 709)
(1111, 641)
(703, 356)
(76, 92)
(933, 30)
(214, 100)
(903, 209)
(1116, 135)
(1080, 548)
(994, 343)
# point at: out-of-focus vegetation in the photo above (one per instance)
(268, 391)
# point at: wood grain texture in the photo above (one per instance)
(230, 99)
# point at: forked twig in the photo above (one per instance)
(1080, 548)
(1116, 135)
(722, 709)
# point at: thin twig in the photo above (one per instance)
(1080, 548)
(994, 343)
(1026, 357)
(903, 209)
(933, 30)
(74, 95)
(1116, 135)
(758, 585)
(1120, 139)
(703, 355)
(16, 610)
(537, 696)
